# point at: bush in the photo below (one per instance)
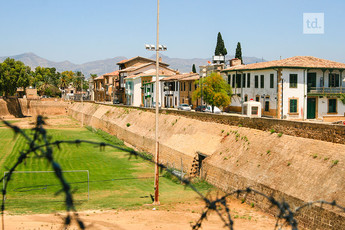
(128, 124)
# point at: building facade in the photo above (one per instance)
(300, 87)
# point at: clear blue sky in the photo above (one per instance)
(88, 30)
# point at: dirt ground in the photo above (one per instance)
(166, 216)
(163, 217)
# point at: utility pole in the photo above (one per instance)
(82, 103)
(156, 184)
(157, 48)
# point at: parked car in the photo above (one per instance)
(154, 105)
(216, 110)
(184, 107)
(200, 108)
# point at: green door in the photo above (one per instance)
(311, 107)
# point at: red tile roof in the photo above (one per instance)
(293, 62)
(99, 78)
(181, 77)
(138, 57)
(115, 73)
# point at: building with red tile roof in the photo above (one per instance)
(300, 87)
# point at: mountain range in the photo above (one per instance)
(109, 65)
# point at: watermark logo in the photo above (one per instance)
(313, 23)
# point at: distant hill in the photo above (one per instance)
(185, 65)
(96, 67)
(109, 65)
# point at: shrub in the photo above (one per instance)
(272, 131)
(280, 134)
(128, 124)
(335, 162)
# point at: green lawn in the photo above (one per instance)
(115, 181)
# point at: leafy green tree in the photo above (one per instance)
(220, 47)
(70, 76)
(239, 52)
(215, 91)
(13, 74)
(193, 69)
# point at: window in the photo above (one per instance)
(257, 98)
(267, 106)
(293, 80)
(333, 80)
(238, 80)
(184, 86)
(244, 80)
(152, 88)
(262, 81)
(256, 81)
(175, 101)
(229, 79)
(271, 80)
(190, 86)
(332, 105)
(248, 80)
(245, 97)
(233, 81)
(293, 105)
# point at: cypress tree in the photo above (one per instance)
(220, 47)
(239, 52)
(193, 69)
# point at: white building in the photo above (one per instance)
(134, 85)
(300, 87)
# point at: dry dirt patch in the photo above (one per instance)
(177, 216)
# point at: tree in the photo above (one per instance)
(78, 79)
(214, 90)
(239, 52)
(13, 74)
(70, 76)
(220, 47)
(193, 68)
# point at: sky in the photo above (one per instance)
(87, 30)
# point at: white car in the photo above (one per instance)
(184, 107)
(216, 110)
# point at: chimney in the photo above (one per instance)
(235, 62)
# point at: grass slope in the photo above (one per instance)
(115, 181)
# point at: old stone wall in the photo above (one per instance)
(314, 130)
(19, 107)
(294, 168)
(308, 218)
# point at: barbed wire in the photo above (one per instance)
(41, 146)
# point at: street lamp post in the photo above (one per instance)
(157, 48)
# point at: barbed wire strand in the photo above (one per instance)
(285, 216)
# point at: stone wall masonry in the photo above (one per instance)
(290, 171)
(313, 217)
(19, 107)
(313, 130)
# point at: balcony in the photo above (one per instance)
(321, 91)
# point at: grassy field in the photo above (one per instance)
(115, 181)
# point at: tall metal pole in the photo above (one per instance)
(156, 184)
(82, 104)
